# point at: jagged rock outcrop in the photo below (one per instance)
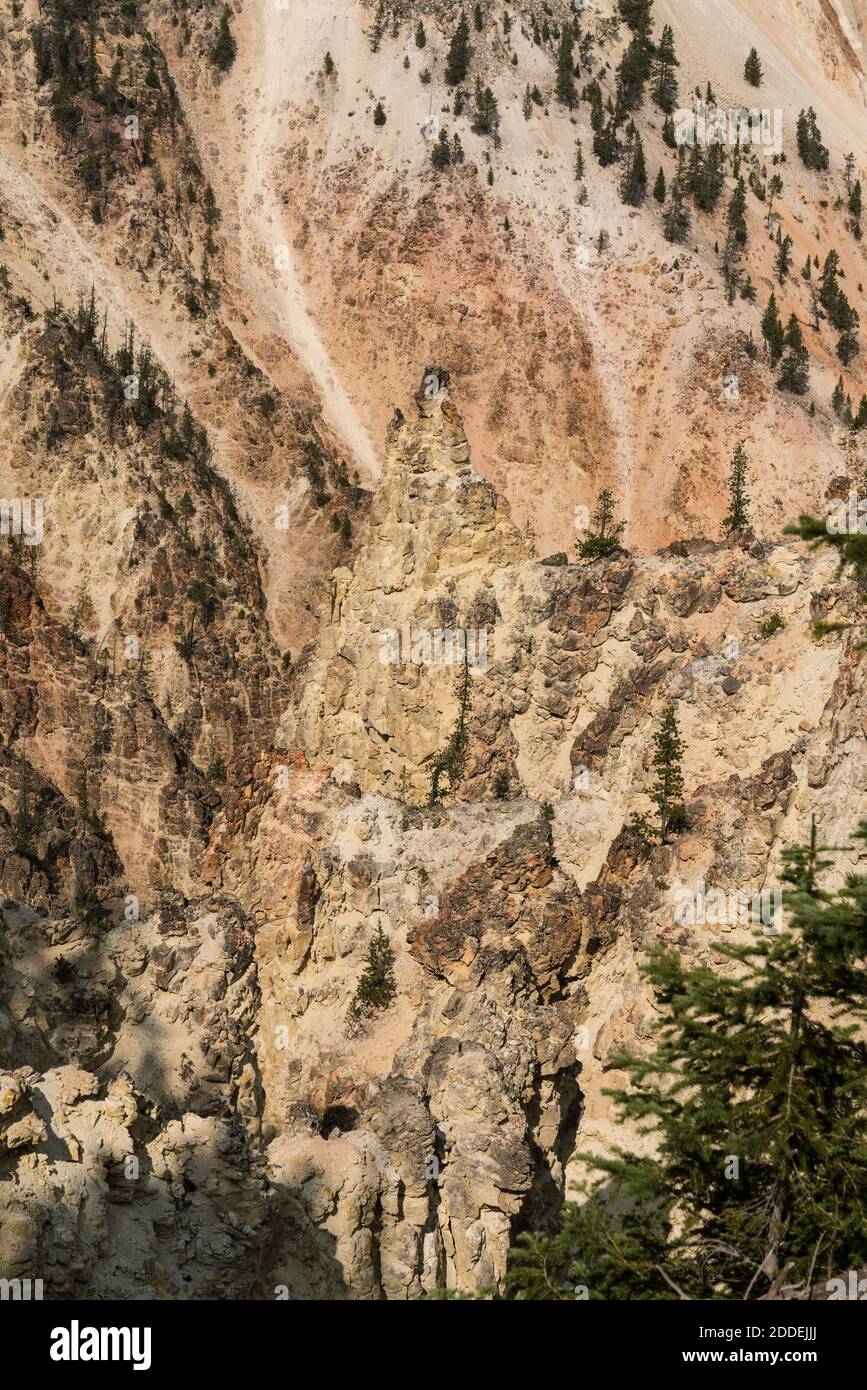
(391, 1154)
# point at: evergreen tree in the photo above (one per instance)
(593, 94)
(659, 186)
(667, 792)
(669, 135)
(829, 290)
(565, 87)
(737, 518)
(636, 12)
(486, 116)
(772, 331)
(633, 185)
(579, 161)
(709, 181)
(813, 153)
(450, 761)
(377, 986)
(441, 155)
(379, 116)
(775, 188)
(736, 216)
(794, 372)
(458, 61)
(846, 320)
(856, 208)
(632, 73)
(420, 35)
(838, 400)
(676, 218)
(606, 534)
(606, 146)
(225, 49)
(478, 19)
(756, 1097)
(377, 28)
(784, 258)
(753, 69)
(664, 89)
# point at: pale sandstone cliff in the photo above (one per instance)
(195, 848)
(280, 1146)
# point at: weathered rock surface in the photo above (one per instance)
(283, 1147)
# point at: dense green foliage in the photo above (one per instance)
(756, 1098)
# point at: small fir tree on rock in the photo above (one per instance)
(377, 986)
(225, 49)
(737, 518)
(668, 788)
(606, 534)
(753, 69)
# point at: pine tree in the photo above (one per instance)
(669, 135)
(579, 161)
(565, 87)
(377, 986)
(737, 518)
(633, 185)
(458, 61)
(486, 115)
(377, 28)
(450, 761)
(772, 331)
(606, 534)
(420, 35)
(736, 216)
(813, 153)
(710, 180)
(664, 89)
(756, 1097)
(829, 290)
(667, 792)
(379, 116)
(676, 218)
(478, 19)
(838, 400)
(441, 155)
(794, 372)
(784, 258)
(632, 73)
(606, 146)
(775, 188)
(856, 208)
(659, 186)
(225, 49)
(753, 69)
(527, 104)
(846, 320)
(636, 13)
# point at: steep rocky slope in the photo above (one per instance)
(237, 731)
(212, 1042)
